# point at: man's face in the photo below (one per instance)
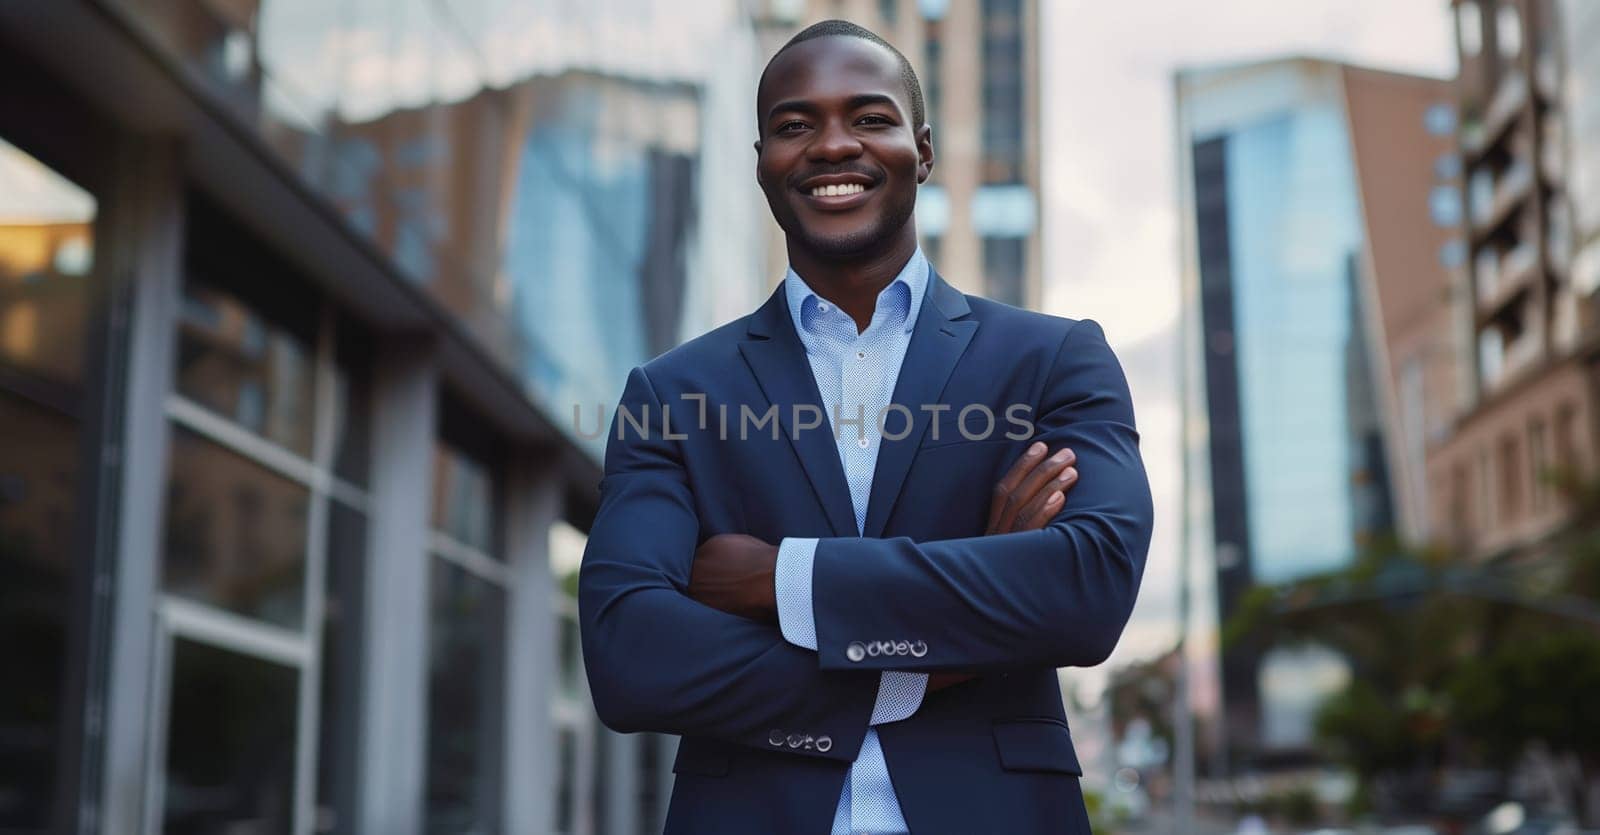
(838, 157)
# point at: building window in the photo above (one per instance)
(1444, 205)
(1440, 120)
(1486, 516)
(1447, 166)
(1510, 484)
(467, 627)
(1003, 92)
(572, 711)
(265, 502)
(1460, 499)
(1567, 453)
(1004, 270)
(1469, 28)
(1453, 253)
(47, 245)
(1508, 31)
(1539, 465)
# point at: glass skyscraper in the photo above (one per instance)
(1288, 474)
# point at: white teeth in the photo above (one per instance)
(836, 191)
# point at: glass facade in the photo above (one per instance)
(47, 254)
(1298, 342)
(286, 384)
(1289, 477)
(467, 630)
(536, 167)
(1004, 143)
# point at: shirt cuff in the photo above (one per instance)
(792, 588)
(899, 696)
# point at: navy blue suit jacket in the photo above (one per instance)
(991, 755)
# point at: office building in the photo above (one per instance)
(1529, 117)
(308, 311)
(978, 215)
(1319, 208)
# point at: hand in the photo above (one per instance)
(1026, 499)
(735, 573)
(1032, 491)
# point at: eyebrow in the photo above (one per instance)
(855, 102)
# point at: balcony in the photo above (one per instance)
(1502, 278)
(1509, 99)
(1508, 192)
(1506, 277)
(1547, 75)
(1501, 362)
(1552, 153)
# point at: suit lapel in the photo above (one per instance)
(941, 336)
(778, 360)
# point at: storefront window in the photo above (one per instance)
(467, 630)
(46, 253)
(259, 639)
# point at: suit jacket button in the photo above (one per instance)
(901, 647)
(775, 738)
(796, 740)
(919, 649)
(856, 651)
(824, 743)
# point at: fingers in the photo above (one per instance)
(1047, 503)
(1011, 498)
(1011, 480)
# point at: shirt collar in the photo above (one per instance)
(804, 302)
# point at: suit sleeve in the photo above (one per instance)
(659, 661)
(1055, 597)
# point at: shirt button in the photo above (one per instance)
(862, 443)
(861, 355)
(822, 306)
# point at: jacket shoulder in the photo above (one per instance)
(708, 352)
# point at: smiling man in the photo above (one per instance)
(842, 544)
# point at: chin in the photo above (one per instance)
(843, 244)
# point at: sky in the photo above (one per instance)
(1110, 214)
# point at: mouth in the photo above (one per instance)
(837, 192)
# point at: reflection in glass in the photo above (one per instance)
(235, 532)
(352, 392)
(46, 254)
(38, 484)
(230, 743)
(337, 753)
(566, 779)
(570, 653)
(1315, 494)
(465, 704)
(465, 498)
(246, 368)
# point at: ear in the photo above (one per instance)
(924, 153)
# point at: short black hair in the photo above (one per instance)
(830, 28)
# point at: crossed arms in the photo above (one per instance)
(1054, 596)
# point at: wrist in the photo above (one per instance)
(767, 600)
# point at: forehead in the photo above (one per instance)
(831, 69)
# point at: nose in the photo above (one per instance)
(833, 143)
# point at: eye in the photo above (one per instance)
(874, 119)
(790, 126)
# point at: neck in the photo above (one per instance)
(854, 283)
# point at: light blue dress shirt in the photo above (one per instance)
(856, 375)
